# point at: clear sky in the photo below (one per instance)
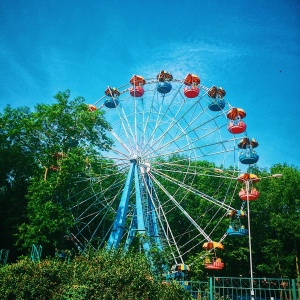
(250, 48)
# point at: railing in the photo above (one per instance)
(199, 290)
(239, 288)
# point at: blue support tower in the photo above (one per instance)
(36, 253)
(132, 231)
(3, 257)
(153, 218)
(144, 219)
(119, 224)
(140, 214)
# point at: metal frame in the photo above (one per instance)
(36, 253)
(3, 256)
(239, 288)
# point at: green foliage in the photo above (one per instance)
(17, 165)
(101, 275)
(276, 224)
(274, 230)
(39, 153)
(47, 155)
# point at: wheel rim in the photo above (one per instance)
(165, 135)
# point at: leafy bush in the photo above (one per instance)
(101, 275)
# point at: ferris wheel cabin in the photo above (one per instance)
(217, 95)
(163, 85)
(252, 195)
(180, 271)
(215, 264)
(217, 105)
(112, 97)
(237, 232)
(248, 191)
(236, 229)
(248, 155)
(236, 124)
(191, 89)
(137, 89)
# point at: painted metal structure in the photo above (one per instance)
(144, 222)
(162, 128)
(239, 288)
(3, 256)
(36, 253)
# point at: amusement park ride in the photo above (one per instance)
(162, 128)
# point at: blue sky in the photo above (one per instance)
(250, 48)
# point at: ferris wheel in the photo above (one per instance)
(170, 177)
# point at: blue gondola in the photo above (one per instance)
(112, 97)
(164, 87)
(239, 232)
(248, 157)
(111, 102)
(217, 105)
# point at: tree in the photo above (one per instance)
(276, 221)
(274, 230)
(51, 144)
(44, 152)
(17, 166)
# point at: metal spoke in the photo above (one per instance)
(173, 142)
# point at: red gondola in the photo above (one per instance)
(216, 264)
(251, 196)
(248, 192)
(191, 90)
(236, 125)
(136, 91)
